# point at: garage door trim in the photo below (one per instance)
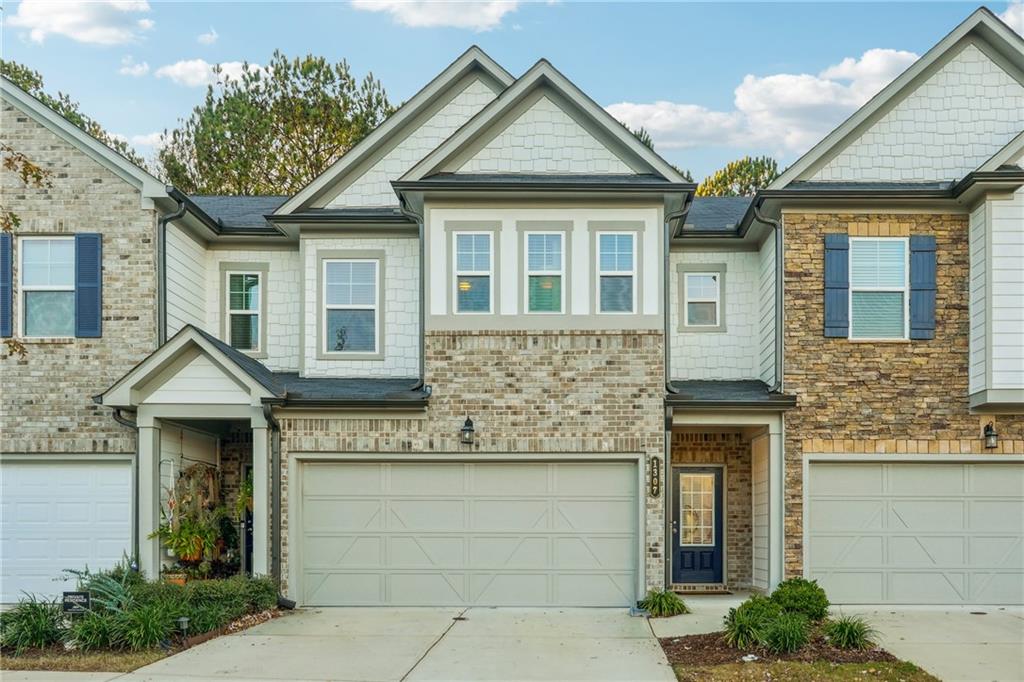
(884, 458)
(296, 459)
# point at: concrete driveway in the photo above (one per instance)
(427, 644)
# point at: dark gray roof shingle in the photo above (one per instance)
(716, 213)
(747, 392)
(238, 211)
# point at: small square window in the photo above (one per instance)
(702, 299)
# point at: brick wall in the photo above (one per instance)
(557, 392)
(47, 396)
(732, 450)
(870, 397)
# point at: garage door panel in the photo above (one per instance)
(323, 478)
(939, 540)
(506, 539)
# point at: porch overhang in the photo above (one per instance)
(745, 395)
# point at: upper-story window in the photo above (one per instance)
(702, 292)
(616, 272)
(351, 306)
(244, 310)
(545, 272)
(474, 272)
(878, 288)
(48, 286)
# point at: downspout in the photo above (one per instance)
(779, 299)
(275, 492)
(410, 213)
(120, 419)
(161, 229)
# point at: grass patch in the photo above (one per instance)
(794, 671)
(81, 661)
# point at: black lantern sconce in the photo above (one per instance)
(467, 432)
(655, 476)
(991, 437)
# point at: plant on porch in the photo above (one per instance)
(193, 527)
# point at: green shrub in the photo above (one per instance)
(663, 603)
(797, 595)
(92, 631)
(745, 624)
(261, 593)
(33, 623)
(230, 594)
(158, 592)
(851, 632)
(143, 627)
(206, 618)
(786, 633)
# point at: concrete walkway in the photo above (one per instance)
(392, 645)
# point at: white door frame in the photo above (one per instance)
(296, 459)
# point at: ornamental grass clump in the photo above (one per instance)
(851, 632)
(33, 624)
(786, 633)
(663, 603)
(745, 625)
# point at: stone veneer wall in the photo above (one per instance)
(527, 392)
(47, 395)
(874, 397)
(732, 450)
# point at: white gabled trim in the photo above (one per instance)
(540, 74)
(150, 186)
(993, 30)
(474, 57)
(1010, 151)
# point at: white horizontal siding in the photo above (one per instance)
(186, 281)
(199, 382)
(977, 299)
(766, 303)
(1007, 295)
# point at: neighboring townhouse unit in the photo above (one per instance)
(499, 354)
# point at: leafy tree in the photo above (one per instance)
(32, 82)
(645, 139)
(272, 130)
(740, 178)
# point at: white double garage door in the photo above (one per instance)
(496, 533)
(916, 532)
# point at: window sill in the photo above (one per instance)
(876, 341)
(46, 340)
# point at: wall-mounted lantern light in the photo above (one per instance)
(655, 476)
(467, 432)
(991, 437)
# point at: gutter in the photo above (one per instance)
(409, 213)
(780, 273)
(161, 229)
(343, 217)
(412, 404)
(772, 405)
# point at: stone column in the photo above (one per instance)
(260, 501)
(149, 499)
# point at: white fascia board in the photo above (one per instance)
(150, 186)
(1010, 151)
(541, 73)
(993, 31)
(474, 56)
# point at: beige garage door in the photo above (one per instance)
(495, 533)
(917, 532)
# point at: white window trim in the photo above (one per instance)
(258, 313)
(717, 300)
(456, 272)
(23, 288)
(714, 503)
(375, 307)
(632, 273)
(560, 273)
(905, 290)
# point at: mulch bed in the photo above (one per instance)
(711, 649)
(244, 623)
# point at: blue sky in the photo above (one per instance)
(710, 81)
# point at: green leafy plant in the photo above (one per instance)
(798, 595)
(33, 624)
(663, 603)
(92, 631)
(851, 632)
(745, 624)
(243, 502)
(158, 592)
(205, 618)
(143, 627)
(786, 633)
(261, 593)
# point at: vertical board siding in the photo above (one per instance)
(88, 285)
(186, 281)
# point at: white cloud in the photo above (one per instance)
(208, 38)
(148, 140)
(196, 73)
(129, 67)
(103, 22)
(1014, 16)
(478, 15)
(785, 112)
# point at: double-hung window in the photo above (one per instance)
(351, 306)
(244, 312)
(703, 294)
(48, 286)
(616, 272)
(474, 272)
(879, 274)
(545, 272)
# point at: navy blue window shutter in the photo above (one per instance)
(88, 285)
(922, 287)
(837, 285)
(6, 285)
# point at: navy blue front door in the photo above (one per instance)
(697, 525)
